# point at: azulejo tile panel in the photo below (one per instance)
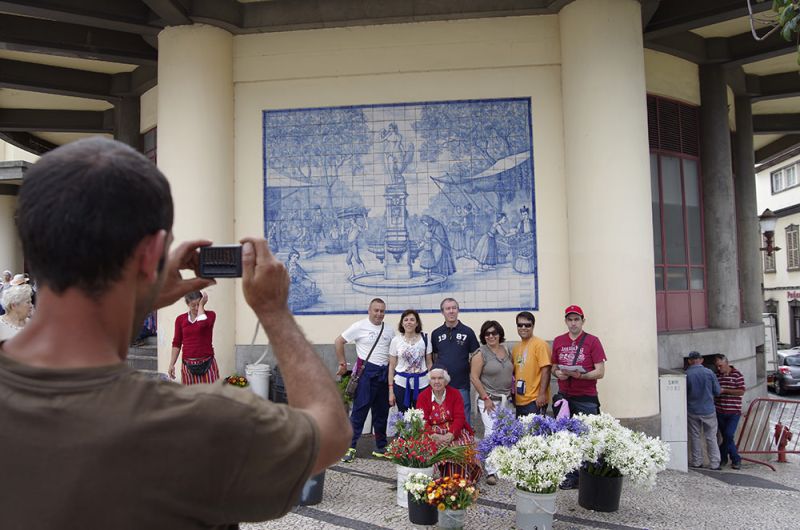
(409, 202)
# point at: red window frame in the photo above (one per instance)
(678, 309)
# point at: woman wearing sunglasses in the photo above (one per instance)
(492, 374)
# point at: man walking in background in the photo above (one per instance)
(729, 409)
(701, 388)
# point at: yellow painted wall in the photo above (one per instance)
(491, 58)
(671, 77)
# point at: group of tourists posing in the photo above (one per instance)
(409, 368)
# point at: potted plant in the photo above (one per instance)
(237, 380)
(535, 453)
(451, 495)
(419, 511)
(413, 450)
(611, 452)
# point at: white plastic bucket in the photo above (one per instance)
(258, 376)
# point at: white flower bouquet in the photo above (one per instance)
(611, 450)
(416, 484)
(538, 464)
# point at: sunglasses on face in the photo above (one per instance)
(524, 325)
(492, 333)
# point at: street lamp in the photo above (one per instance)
(768, 220)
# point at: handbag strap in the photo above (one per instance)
(578, 353)
(375, 343)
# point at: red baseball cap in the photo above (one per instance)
(573, 309)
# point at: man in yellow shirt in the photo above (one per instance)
(531, 368)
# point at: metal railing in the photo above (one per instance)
(770, 428)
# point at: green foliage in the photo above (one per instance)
(788, 20)
(342, 384)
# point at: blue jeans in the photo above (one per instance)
(530, 408)
(372, 394)
(467, 404)
(727, 423)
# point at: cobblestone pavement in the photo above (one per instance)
(361, 495)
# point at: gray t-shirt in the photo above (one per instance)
(497, 375)
(108, 448)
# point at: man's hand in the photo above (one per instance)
(561, 375)
(265, 281)
(204, 299)
(171, 371)
(183, 257)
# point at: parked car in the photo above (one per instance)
(787, 375)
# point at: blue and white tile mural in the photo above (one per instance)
(409, 202)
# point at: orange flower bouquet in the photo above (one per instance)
(452, 492)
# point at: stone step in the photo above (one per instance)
(143, 362)
(143, 351)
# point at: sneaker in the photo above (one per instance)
(491, 480)
(736, 465)
(379, 453)
(716, 468)
(696, 467)
(349, 456)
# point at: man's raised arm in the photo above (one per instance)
(265, 283)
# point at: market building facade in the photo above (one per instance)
(569, 152)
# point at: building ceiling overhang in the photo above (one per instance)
(95, 50)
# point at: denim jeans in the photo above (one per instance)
(467, 404)
(727, 423)
(530, 408)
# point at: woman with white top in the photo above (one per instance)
(17, 301)
(409, 362)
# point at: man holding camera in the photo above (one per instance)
(95, 444)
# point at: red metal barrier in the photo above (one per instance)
(770, 428)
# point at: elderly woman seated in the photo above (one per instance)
(443, 408)
(17, 302)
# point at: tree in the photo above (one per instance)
(481, 132)
(312, 147)
(788, 21)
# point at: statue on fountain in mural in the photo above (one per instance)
(436, 255)
(396, 155)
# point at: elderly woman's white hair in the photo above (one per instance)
(16, 294)
(443, 373)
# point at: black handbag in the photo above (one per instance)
(352, 384)
(199, 369)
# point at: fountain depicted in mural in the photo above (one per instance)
(410, 202)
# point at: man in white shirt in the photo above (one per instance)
(372, 393)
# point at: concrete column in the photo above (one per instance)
(718, 199)
(608, 196)
(195, 152)
(748, 230)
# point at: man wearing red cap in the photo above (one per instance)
(578, 362)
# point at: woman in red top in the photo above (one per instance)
(194, 332)
(443, 408)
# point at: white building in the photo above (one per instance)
(778, 189)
